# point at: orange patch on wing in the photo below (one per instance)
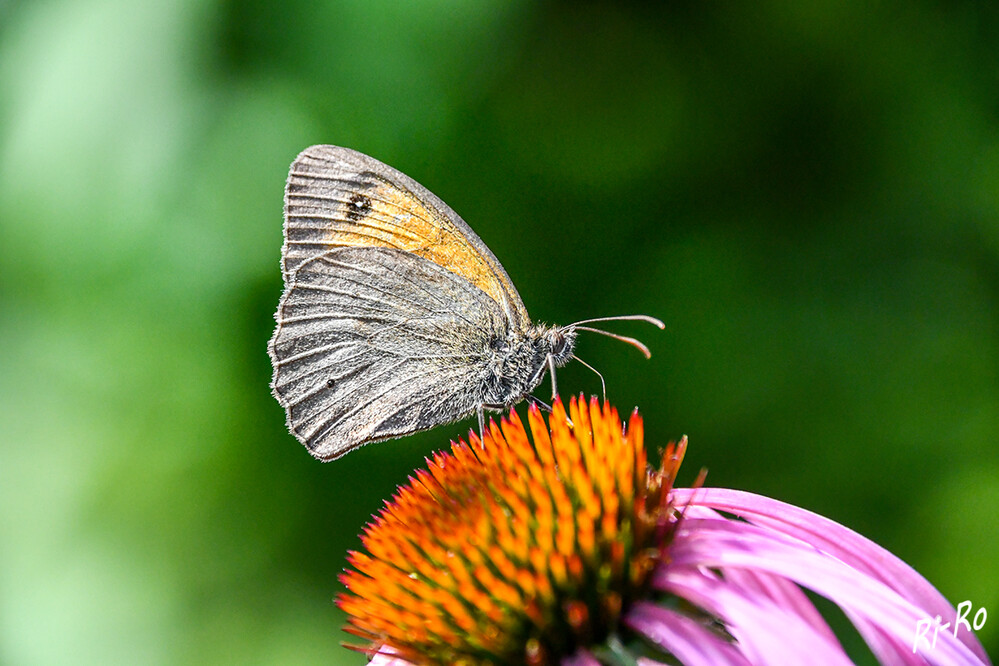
(387, 216)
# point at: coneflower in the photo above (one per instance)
(566, 547)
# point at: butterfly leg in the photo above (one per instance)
(541, 404)
(551, 368)
(534, 401)
(482, 425)
(481, 411)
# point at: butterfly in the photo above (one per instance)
(396, 317)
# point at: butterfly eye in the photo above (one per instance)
(559, 345)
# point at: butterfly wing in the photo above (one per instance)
(374, 343)
(337, 197)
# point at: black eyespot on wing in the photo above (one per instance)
(358, 207)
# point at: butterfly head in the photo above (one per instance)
(557, 342)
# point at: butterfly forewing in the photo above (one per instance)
(337, 197)
(375, 342)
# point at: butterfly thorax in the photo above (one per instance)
(517, 363)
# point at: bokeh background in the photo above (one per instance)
(807, 193)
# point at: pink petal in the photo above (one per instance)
(387, 659)
(688, 640)
(766, 633)
(723, 544)
(881, 644)
(581, 658)
(839, 541)
(785, 594)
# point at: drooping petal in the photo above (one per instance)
(785, 594)
(688, 640)
(581, 658)
(766, 633)
(825, 534)
(725, 544)
(840, 542)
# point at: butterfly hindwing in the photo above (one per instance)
(375, 342)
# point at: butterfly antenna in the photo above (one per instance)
(623, 338)
(603, 385)
(645, 318)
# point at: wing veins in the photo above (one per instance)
(404, 232)
(449, 227)
(362, 186)
(358, 297)
(315, 317)
(388, 292)
(415, 283)
(320, 386)
(326, 427)
(440, 340)
(357, 185)
(406, 210)
(306, 354)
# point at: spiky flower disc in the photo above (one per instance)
(513, 551)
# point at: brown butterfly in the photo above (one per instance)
(395, 316)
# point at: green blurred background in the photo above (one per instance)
(807, 193)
